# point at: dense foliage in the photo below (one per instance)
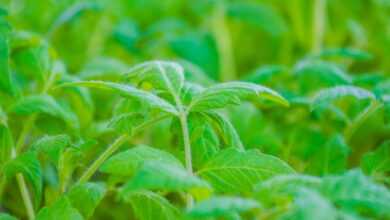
(206, 109)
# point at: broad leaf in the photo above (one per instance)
(355, 191)
(61, 210)
(51, 146)
(129, 92)
(86, 197)
(232, 170)
(309, 204)
(44, 104)
(326, 96)
(28, 165)
(156, 175)
(162, 75)
(125, 123)
(148, 205)
(231, 93)
(125, 163)
(221, 206)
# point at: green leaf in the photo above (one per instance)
(232, 170)
(325, 96)
(125, 123)
(28, 165)
(162, 75)
(5, 216)
(157, 175)
(354, 191)
(61, 210)
(67, 163)
(309, 204)
(264, 73)
(51, 146)
(6, 84)
(316, 73)
(221, 206)
(226, 130)
(129, 92)
(351, 53)
(377, 163)
(148, 205)
(125, 163)
(103, 68)
(44, 104)
(86, 197)
(231, 93)
(258, 15)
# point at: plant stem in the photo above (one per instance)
(319, 17)
(187, 150)
(25, 132)
(25, 196)
(103, 157)
(360, 119)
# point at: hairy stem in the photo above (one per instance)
(187, 150)
(103, 157)
(319, 18)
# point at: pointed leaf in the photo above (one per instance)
(125, 163)
(60, 210)
(231, 93)
(232, 170)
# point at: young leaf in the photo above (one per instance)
(28, 165)
(231, 93)
(125, 163)
(61, 210)
(162, 75)
(355, 191)
(86, 197)
(51, 146)
(129, 92)
(156, 175)
(326, 96)
(309, 204)
(148, 205)
(377, 163)
(44, 104)
(221, 206)
(232, 170)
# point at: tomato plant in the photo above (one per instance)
(212, 109)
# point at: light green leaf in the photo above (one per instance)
(232, 170)
(377, 163)
(162, 75)
(28, 165)
(326, 96)
(264, 73)
(70, 158)
(221, 206)
(44, 104)
(129, 92)
(231, 93)
(148, 205)
(86, 197)
(103, 68)
(309, 204)
(6, 143)
(354, 191)
(321, 72)
(157, 175)
(51, 146)
(226, 130)
(125, 163)
(125, 123)
(60, 210)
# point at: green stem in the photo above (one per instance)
(187, 151)
(25, 132)
(103, 157)
(319, 18)
(360, 119)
